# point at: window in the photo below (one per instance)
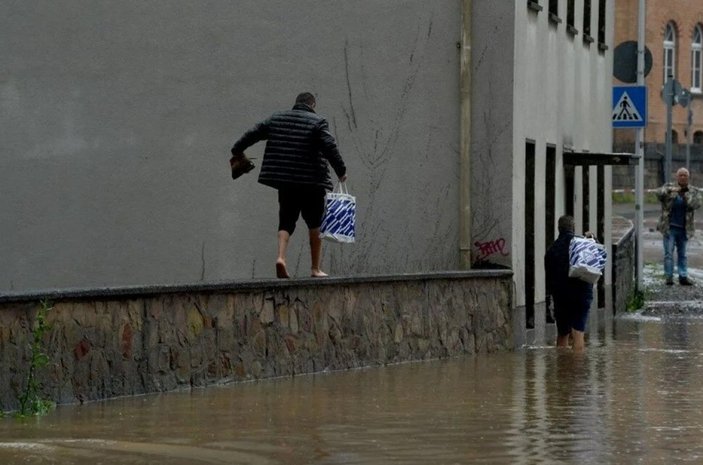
(698, 137)
(696, 59)
(669, 52)
(529, 193)
(534, 5)
(587, 18)
(570, 17)
(550, 195)
(601, 25)
(674, 137)
(554, 12)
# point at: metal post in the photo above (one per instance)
(688, 136)
(639, 150)
(669, 96)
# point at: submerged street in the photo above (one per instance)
(456, 134)
(633, 397)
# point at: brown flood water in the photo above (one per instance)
(636, 396)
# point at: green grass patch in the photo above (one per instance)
(636, 300)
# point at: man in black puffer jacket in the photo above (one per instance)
(299, 146)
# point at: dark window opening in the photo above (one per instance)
(569, 177)
(550, 221)
(570, 26)
(601, 24)
(530, 234)
(534, 5)
(550, 200)
(585, 197)
(587, 18)
(554, 11)
(698, 137)
(668, 64)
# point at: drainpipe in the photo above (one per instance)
(639, 151)
(465, 135)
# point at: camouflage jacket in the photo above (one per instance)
(693, 199)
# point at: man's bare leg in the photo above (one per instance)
(563, 341)
(579, 342)
(281, 270)
(316, 253)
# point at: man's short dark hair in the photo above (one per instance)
(306, 98)
(566, 223)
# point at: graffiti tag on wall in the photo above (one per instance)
(486, 249)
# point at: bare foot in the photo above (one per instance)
(281, 271)
(318, 274)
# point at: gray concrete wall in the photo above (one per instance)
(492, 150)
(120, 342)
(118, 117)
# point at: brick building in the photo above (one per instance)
(674, 35)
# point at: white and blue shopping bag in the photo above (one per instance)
(586, 259)
(338, 223)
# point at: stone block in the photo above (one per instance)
(258, 343)
(266, 312)
(283, 314)
(398, 333)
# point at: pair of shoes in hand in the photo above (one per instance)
(240, 164)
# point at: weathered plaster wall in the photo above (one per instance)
(492, 151)
(118, 118)
(120, 342)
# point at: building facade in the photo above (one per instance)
(463, 124)
(542, 94)
(674, 37)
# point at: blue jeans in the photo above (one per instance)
(675, 238)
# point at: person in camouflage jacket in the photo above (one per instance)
(678, 201)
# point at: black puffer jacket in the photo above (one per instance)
(299, 145)
(556, 264)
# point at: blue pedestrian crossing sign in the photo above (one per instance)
(629, 106)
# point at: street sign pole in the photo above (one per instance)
(639, 150)
(688, 137)
(669, 98)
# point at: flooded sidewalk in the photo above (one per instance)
(633, 397)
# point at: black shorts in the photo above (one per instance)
(294, 201)
(571, 309)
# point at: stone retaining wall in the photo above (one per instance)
(117, 342)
